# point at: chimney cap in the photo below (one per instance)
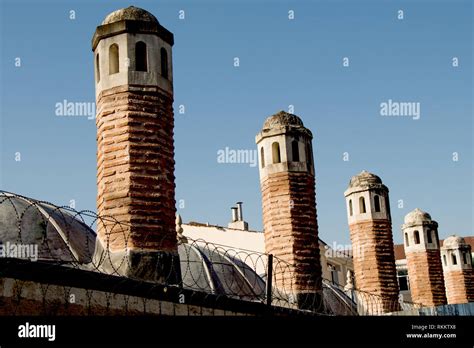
(454, 242)
(282, 123)
(282, 119)
(130, 13)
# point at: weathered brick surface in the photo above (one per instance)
(374, 262)
(135, 168)
(426, 277)
(291, 229)
(459, 286)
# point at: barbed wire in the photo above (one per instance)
(66, 238)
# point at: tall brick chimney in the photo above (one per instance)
(421, 242)
(289, 205)
(368, 212)
(135, 155)
(457, 269)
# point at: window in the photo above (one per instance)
(417, 237)
(403, 282)
(429, 236)
(464, 258)
(262, 157)
(140, 57)
(295, 151)
(444, 260)
(362, 205)
(377, 204)
(276, 152)
(113, 59)
(309, 154)
(455, 261)
(407, 242)
(350, 207)
(387, 208)
(97, 68)
(334, 274)
(164, 62)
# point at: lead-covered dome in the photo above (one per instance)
(55, 232)
(210, 268)
(130, 13)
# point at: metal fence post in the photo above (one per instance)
(269, 279)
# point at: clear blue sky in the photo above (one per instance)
(282, 62)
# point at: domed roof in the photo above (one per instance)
(454, 242)
(282, 119)
(56, 232)
(365, 179)
(130, 13)
(417, 216)
(210, 268)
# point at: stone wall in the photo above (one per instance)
(32, 298)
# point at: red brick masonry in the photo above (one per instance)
(135, 168)
(426, 277)
(374, 261)
(459, 286)
(291, 229)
